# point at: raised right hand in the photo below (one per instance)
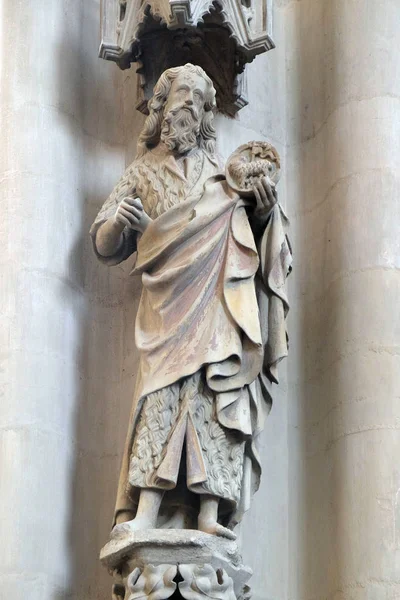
(130, 213)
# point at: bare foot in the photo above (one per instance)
(124, 529)
(216, 529)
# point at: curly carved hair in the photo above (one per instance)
(150, 135)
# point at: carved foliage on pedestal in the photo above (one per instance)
(194, 582)
(202, 581)
(153, 583)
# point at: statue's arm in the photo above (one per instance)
(109, 238)
(121, 218)
(129, 215)
(110, 244)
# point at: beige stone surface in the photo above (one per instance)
(343, 194)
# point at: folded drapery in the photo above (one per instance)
(213, 298)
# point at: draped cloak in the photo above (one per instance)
(213, 298)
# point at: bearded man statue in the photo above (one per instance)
(210, 328)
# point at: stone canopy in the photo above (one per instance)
(221, 37)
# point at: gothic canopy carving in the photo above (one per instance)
(220, 36)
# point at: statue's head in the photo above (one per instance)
(181, 112)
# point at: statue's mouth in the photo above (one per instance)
(185, 108)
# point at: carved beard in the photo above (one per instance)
(180, 129)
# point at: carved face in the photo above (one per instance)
(183, 113)
(188, 91)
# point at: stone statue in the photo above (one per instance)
(210, 328)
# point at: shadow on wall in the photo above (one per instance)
(106, 341)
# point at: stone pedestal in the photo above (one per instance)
(158, 564)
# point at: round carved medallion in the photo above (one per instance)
(249, 163)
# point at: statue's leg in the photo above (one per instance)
(222, 453)
(208, 518)
(158, 415)
(146, 515)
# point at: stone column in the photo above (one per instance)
(344, 192)
(62, 136)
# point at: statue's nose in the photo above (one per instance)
(189, 100)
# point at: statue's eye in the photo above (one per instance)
(198, 95)
(182, 90)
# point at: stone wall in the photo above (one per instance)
(343, 198)
(64, 119)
